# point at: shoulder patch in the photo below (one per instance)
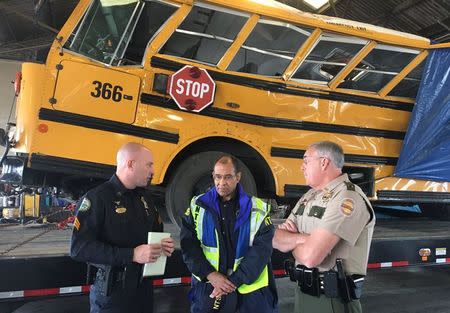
(268, 221)
(187, 212)
(76, 224)
(85, 205)
(347, 206)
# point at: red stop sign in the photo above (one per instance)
(192, 88)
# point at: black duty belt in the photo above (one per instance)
(331, 283)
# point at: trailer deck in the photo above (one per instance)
(34, 260)
(35, 240)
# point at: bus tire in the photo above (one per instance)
(436, 211)
(193, 177)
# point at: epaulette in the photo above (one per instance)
(350, 185)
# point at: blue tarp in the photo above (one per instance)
(426, 149)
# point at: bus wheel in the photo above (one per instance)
(436, 211)
(193, 177)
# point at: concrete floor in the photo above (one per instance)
(397, 290)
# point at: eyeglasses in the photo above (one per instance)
(227, 177)
(306, 158)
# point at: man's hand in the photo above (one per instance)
(168, 246)
(147, 253)
(220, 283)
(289, 226)
(216, 293)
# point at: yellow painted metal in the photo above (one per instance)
(32, 206)
(405, 184)
(399, 77)
(352, 64)
(28, 105)
(301, 54)
(440, 45)
(100, 92)
(238, 42)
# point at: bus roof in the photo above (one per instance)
(277, 10)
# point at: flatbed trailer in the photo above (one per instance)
(35, 261)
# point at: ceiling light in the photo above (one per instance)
(316, 4)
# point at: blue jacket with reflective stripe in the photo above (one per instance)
(255, 257)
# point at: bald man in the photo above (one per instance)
(110, 233)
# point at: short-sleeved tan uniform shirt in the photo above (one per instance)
(343, 209)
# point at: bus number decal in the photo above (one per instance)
(108, 91)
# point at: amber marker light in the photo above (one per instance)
(43, 128)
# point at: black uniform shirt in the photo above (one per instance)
(111, 221)
(228, 210)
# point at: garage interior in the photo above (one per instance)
(28, 28)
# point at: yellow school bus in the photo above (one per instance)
(283, 80)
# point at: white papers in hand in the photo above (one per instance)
(158, 267)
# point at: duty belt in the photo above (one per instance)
(332, 284)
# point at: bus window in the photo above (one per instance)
(206, 34)
(409, 86)
(153, 16)
(105, 29)
(378, 68)
(330, 55)
(269, 48)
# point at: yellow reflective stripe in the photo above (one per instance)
(211, 253)
(258, 213)
(199, 223)
(236, 263)
(260, 282)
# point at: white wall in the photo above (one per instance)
(8, 71)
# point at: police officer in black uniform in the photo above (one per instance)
(110, 234)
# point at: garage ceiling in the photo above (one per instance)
(28, 27)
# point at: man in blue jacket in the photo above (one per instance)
(226, 239)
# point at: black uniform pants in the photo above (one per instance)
(137, 300)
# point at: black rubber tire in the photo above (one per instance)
(436, 211)
(193, 177)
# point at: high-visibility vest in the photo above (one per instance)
(209, 239)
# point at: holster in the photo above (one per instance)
(109, 277)
(356, 283)
(306, 278)
(309, 282)
(104, 280)
(132, 276)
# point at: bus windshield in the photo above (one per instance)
(116, 32)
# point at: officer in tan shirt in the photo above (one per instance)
(332, 221)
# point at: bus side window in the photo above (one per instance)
(269, 48)
(379, 67)
(153, 16)
(409, 86)
(330, 55)
(206, 34)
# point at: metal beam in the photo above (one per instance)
(28, 18)
(405, 5)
